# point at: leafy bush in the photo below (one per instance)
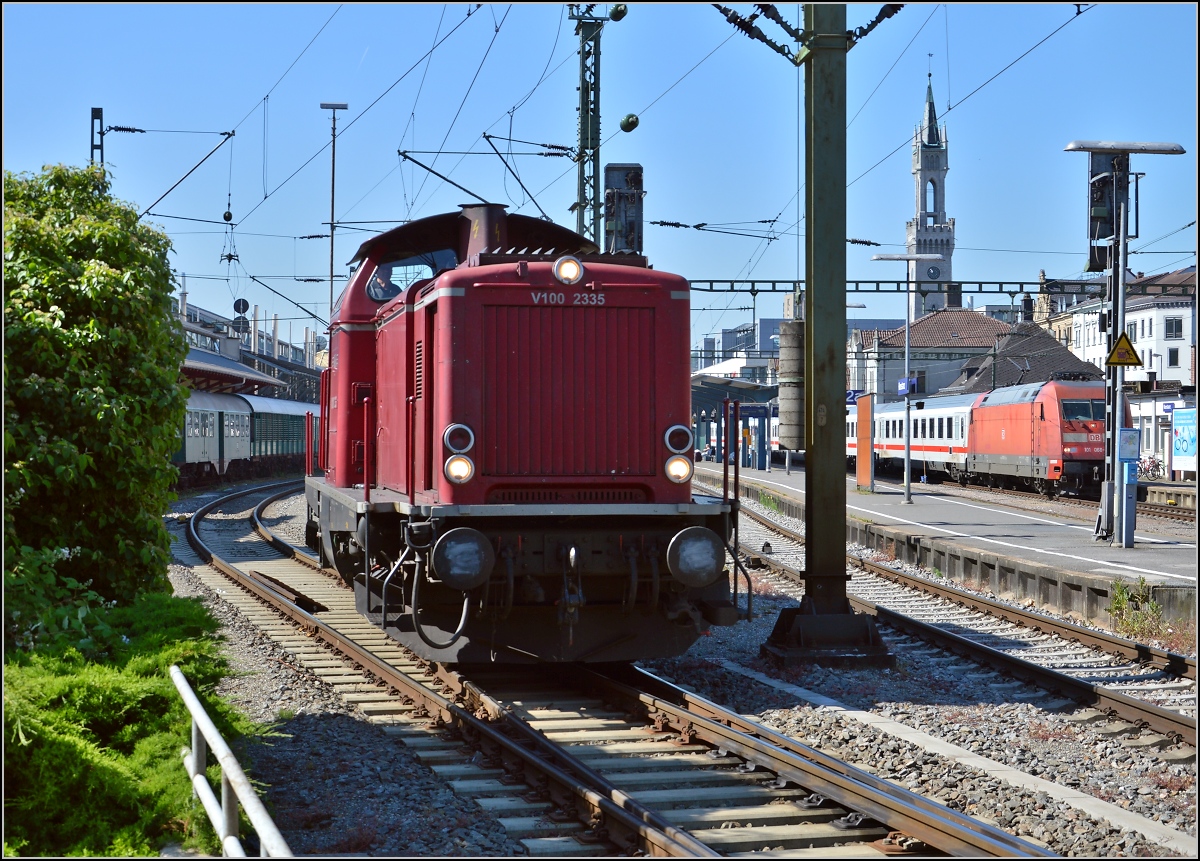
(92, 402)
(91, 752)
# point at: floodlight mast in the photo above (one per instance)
(334, 107)
(1117, 514)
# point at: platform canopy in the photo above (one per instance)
(709, 392)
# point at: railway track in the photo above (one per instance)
(1144, 509)
(1140, 685)
(582, 763)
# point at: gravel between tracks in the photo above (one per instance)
(923, 693)
(347, 765)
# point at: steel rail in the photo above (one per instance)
(895, 807)
(1180, 665)
(1130, 708)
(625, 820)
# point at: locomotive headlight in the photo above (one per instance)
(459, 469)
(568, 270)
(458, 438)
(679, 469)
(678, 439)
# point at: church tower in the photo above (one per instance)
(931, 232)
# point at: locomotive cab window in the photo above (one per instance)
(1083, 411)
(391, 277)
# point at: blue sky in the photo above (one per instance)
(717, 137)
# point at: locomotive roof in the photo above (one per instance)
(1028, 393)
(438, 232)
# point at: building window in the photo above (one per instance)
(1174, 328)
(1150, 328)
(1173, 357)
(1131, 331)
(1142, 328)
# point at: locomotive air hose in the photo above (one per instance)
(416, 616)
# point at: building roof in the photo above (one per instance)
(1168, 282)
(947, 327)
(1027, 354)
(209, 372)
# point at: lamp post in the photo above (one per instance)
(334, 107)
(1108, 221)
(908, 258)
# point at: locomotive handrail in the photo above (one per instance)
(235, 786)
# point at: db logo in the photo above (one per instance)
(1095, 437)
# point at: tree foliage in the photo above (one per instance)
(93, 401)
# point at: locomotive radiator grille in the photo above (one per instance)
(565, 496)
(569, 391)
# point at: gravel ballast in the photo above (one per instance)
(337, 784)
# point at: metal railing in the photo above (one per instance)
(235, 786)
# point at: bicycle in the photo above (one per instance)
(1150, 468)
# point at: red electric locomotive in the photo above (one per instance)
(507, 446)
(1044, 435)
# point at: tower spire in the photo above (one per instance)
(929, 128)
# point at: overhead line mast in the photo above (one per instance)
(824, 627)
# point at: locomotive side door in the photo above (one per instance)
(1035, 415)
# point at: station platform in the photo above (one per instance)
(1016, 553)
(1182, 494)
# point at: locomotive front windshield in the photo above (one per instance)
(1083, 411)
(390, 278)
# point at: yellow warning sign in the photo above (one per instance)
(1123, 354)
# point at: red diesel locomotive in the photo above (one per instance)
(507, 452)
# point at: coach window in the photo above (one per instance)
(939, 436)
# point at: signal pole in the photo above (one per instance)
(97, 135)
(588, 200)
(1108, 223)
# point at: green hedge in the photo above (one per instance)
(92, 742)
(93, 402)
